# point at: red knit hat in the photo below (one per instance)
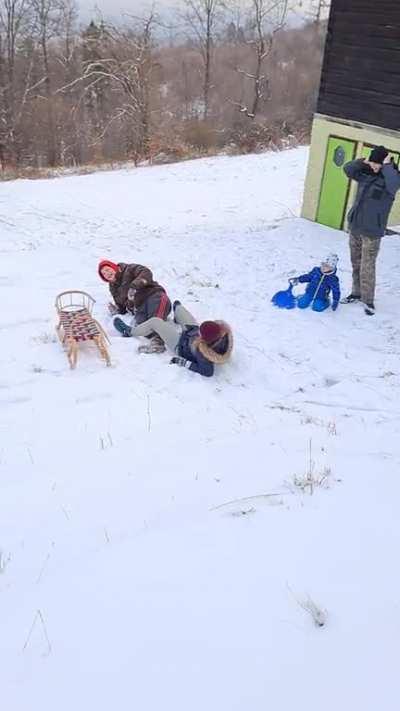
(106, 263)
(210, 331)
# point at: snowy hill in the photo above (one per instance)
(128, 580)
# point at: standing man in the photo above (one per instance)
(378, 182)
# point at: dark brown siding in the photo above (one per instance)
(361, 71)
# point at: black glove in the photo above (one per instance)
(182, 362)
(294, 281)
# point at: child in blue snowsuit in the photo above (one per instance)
(321, 281)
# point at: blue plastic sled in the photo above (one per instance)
(284, 299)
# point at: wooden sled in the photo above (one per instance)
(76, 325)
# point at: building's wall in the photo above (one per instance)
(360, 78)
(323, 127)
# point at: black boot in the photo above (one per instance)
(350, 299)
(155, 345)
(122, 327)
(369, 309)
(174, 305)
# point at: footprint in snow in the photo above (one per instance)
(15, 401)
(25, 322)
(330, 382)
(92, 398)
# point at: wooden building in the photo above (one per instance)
(358, 105)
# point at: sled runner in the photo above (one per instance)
(77, 325)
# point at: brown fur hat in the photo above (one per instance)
(208, 351)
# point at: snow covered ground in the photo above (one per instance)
(128, 580)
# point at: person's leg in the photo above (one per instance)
(122, 327)
(183, 317)
(370, 249)
(165, 329)
(355, 244)
(157, 305)
(141, 315)
(304, 301)
(163, 306)
(320, 305)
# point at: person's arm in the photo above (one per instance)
(335, 286)
(392, 178)
(142, 276)
(138, 277)
(119, 308)
(306, 277)
(354, 170)
(201, 365)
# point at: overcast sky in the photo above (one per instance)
(110, 8)
(116, 7)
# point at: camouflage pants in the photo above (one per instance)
(363, 252)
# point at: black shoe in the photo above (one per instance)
(156, 345)
(122, 327)
(369, 309)
(174, 305)
(350, 299)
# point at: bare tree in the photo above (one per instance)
(315, 10)
(95, 48)
(67, 30)
(237, 19)
(201, 18)
(128, 67)
(72, 97)
(47, 17)
(14, 15)
(266, 18)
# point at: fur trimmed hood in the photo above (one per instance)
(208, 351)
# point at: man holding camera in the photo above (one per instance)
(378, 182)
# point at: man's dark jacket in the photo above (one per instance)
(374, 199)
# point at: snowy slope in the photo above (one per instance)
(124, 584)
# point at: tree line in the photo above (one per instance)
(218, 75)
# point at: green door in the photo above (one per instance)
(335, 184)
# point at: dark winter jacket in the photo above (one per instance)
(374, 199)
(202, 356)
(133, 276)
(319, 285)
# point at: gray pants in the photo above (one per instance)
(168, 331)
(364, 252)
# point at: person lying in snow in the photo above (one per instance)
(134, 290)
(321, 281)
(197, 347)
